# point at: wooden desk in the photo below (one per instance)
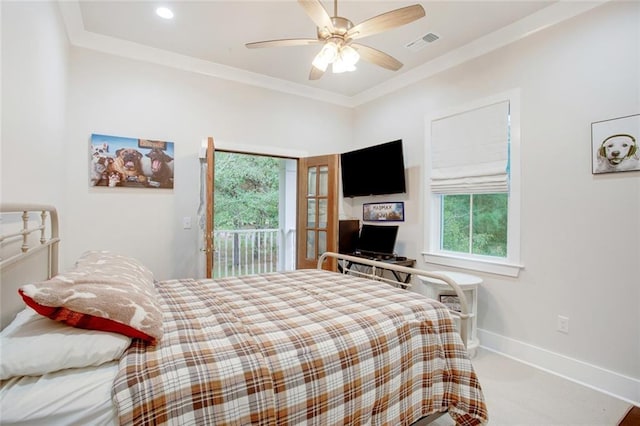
(403, 261)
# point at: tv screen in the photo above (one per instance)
(375, 170)
(377, 239)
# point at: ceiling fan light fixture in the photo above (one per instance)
(349, 55)
(346, 61)
(340, 66)
(320, 63)
(336, 33)
(327, 55)
(164, 12)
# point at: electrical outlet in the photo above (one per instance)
(563, 324)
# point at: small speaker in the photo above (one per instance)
(348, 231)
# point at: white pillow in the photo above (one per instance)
(33, 345)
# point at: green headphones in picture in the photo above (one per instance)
(632, 150)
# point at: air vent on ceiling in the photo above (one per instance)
(422, 42)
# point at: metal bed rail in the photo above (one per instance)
(377, 266)
(47, 241)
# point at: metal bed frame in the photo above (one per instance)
(376, 269)
(25, 221)
(49, 240)
(43, 219)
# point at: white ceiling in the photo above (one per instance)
(214, 33)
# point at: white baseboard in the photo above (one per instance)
(606, 381)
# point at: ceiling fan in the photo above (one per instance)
(337, 34)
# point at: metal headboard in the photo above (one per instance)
(27, 233)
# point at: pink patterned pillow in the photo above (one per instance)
(105, 291)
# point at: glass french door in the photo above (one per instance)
(317, 209)
(254, 214)
(208, 237)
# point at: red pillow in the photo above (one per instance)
(105, 291)
(88, 322)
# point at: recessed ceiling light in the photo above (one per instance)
(164, 12)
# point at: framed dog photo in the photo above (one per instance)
(383, 212)
(117, 161)
(451, 302)
(614, 145)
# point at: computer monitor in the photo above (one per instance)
(377, 239)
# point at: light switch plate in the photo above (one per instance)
(186, 222)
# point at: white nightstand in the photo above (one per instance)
(469, 285)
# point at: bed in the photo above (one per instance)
(105, 343)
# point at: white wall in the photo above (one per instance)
(54, 97)
(578, 261)
(122, 97)
(34, 87)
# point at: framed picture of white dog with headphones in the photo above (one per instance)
(615, 145)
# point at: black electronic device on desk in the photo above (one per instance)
(377, 242)
(348, 234)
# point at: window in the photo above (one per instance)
(473, 200)
(475, 224)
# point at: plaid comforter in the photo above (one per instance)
(302, 347)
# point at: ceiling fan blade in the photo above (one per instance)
(283, 42)
(315, 73)
(386, 21)
(377, 57)
(317, 13)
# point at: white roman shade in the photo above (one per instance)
(470, 151)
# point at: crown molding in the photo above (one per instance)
(544, 18)
(80, 37)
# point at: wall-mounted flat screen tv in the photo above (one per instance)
(375, 170)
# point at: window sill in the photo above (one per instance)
(475, 264)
